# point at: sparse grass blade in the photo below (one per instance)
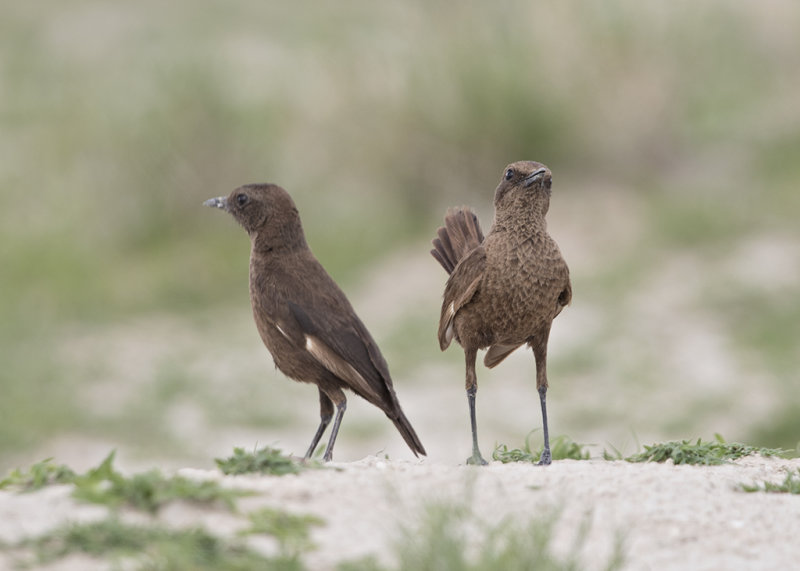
(264, 461)
(790, 485)
(453, 537)
(153, 547)
(292, 532)
(562, 448)
(615, 454)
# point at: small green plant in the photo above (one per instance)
(704, 453)
(147, 491)
(562, 448)
(453, 537)
(153, 547)
(615, 454)
(265, 461)
(790, 485)
(292, 532)
(39, 475)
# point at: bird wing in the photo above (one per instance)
(344, 347)
(461, 286)
(498, 352)
(565, 297)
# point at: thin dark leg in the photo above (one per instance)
(539, 346)
(545, 459)
(476, 458)
(340, 408)
(472, 388)
(325, 416)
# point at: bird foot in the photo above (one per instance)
(545, 458)
(476, 460)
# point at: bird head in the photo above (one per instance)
(266, 212)
(524, 186)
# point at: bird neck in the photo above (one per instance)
(524, 220)
(268, 241)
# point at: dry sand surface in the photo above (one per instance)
(670, 517)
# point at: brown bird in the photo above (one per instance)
(504, 290)
(303, 317)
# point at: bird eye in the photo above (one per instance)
(509, 174)
(241, 199)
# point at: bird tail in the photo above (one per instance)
(460, 234)
(407, 432)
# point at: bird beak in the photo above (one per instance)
(531, 178)
(218, 202)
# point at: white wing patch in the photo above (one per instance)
(281, 331)
(338, 366)
(450, 315)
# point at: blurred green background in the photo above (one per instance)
(672, 130)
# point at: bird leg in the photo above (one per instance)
(325, 416)
(540, 353)
(472, 388)
(545, 458)
(341, 405)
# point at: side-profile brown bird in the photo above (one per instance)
(504, 290)
(303, 317)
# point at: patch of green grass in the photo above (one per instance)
(293, 532)
(790, 485)
(704, 453)
(453, 537)
(267, 460)
(561, 447)
(147, 491)
(152, 547)
(38, 476)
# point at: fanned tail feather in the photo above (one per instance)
(460, 234)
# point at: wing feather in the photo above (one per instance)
(343, 346)
(462, 285)
(338, 366)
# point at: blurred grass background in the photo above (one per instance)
(672, 129)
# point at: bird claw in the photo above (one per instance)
(545, 458)
(476, 460)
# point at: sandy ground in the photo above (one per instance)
(620, 375)
(670, 517)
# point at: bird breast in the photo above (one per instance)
(522, 283)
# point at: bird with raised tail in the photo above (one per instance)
(504, 290)
(303, 317)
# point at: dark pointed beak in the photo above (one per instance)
(534, 176)
(218, 202)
